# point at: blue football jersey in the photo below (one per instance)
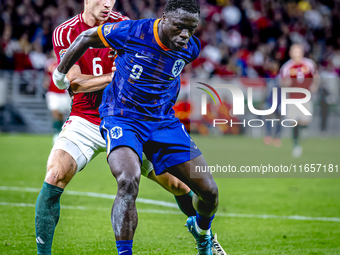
(147, 80)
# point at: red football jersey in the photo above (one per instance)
(302, 74)
(94, 62)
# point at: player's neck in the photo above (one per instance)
(161, 35)
(90, 20)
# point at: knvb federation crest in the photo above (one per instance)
(116, 132)
(178, 67)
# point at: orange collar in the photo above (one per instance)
(155, 32)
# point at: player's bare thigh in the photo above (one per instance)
(79, 142)
(61, 167)
(124, 163)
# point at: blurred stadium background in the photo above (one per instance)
(243, 42)
(239, 39)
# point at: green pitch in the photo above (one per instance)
(85, 227)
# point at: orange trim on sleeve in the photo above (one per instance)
(155, 32)
(102, 38)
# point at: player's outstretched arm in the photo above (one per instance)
(86, 39)
(82, 83)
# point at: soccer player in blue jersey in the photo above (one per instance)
(137, 113)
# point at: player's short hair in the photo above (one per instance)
(190, 6)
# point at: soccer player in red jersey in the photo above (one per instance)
(299, 72)
(80, 140)
(58, 101)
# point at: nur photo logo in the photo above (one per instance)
(239, 100)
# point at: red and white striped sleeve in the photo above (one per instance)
(61, 36)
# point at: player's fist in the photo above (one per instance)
(60, 80)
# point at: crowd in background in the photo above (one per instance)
(246, 38)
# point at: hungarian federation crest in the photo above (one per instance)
(62, 53)
(178, 67)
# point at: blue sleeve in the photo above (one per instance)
(114, 35)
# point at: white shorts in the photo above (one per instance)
(60, 102)
(83, 141)
(295, 113)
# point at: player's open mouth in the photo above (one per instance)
(180, 44)
(106, 13)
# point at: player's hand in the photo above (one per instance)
(60, 80)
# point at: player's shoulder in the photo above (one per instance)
(140, 26)
(59, 36)
(195, 43)
(144, 24)
(193, 47)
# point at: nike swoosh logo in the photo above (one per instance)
(123, 252)
(140, 56)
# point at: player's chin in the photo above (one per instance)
(103, 18)
(177, 46)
